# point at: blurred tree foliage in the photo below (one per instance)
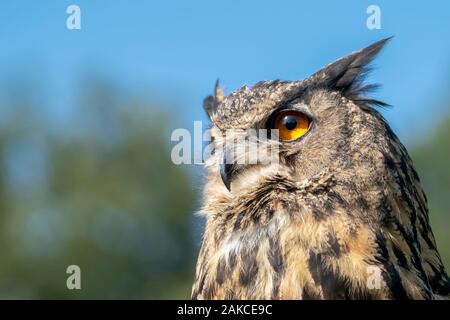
(100, 193)
(432, 161)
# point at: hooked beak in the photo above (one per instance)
(227, 170)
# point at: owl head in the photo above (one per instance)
(324, 122)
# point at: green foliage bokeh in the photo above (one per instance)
(99, 192)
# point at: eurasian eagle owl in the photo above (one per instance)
(340, 215)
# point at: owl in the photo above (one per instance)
(340, 215)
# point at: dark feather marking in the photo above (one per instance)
(237, 223)
(440, 283)
(362, 203)
(221, 270)
(270, 212)
(336, 197)
(389, 162)
(275, 254)
(405, 235)
(424, 234)
(249, 268)
(316, 212)
(425, 197)
(329, 207)
(335, 247)
(422, 205)
(389, 273)
(415, 258)
(385, 209)
(231, 261)
(382, 251)
(404, 169)
(276, 261)
(401, 258)
(333, 286)
(199, 287)
(393, 281)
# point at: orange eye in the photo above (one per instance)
(291, 125)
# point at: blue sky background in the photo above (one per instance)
(174, 50)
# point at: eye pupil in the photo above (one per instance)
(291, 125)
(290, 122)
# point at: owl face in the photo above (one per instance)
(301, 127)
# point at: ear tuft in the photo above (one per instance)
(347, 74)
(219, 95)
(211, 102)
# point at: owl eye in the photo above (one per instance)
(291, 124)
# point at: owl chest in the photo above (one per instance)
(245, 269)
(265, 264)
(282, 260)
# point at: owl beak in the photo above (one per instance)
(227, 171)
